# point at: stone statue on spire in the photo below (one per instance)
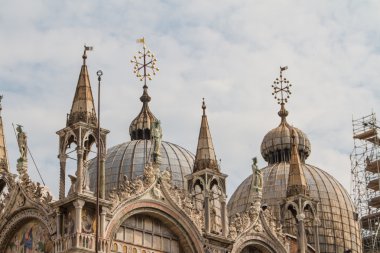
(22, 144)
(257, 177)
(156, 140)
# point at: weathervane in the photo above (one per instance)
(145, 63)
(86, 48)
(282, 86)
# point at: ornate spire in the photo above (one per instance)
(144, 68)
(83, 108)
(281, 92)
(4, 164)
(296, 181)
(205, 157)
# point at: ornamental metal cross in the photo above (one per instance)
(146, 67)
(282, 86)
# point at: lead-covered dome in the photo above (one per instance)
(128, 159)
(339, 228)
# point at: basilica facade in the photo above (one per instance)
(147, 195)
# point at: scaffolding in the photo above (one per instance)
(365, 170)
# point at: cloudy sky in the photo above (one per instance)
(226, 51)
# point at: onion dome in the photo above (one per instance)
(277, 143)
(140, 127)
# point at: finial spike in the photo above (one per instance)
(1, 107)
(204, 106)
(86, 48)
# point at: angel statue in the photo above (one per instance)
(256, 176)
(22, 144)
(156, 137)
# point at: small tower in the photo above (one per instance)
(81, 130)
(4, 164)
(207, 185)
(298, 207)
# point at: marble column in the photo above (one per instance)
(78, 204)
(301, 233)
(80, 152)
(62, 175)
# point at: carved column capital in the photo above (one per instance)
(300, 217)
(80, 150)
(79, 203)
(62, 157)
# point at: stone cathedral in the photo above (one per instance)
(148, 195)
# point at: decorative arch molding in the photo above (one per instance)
(257, 240)
(184, 229)
(18, 219)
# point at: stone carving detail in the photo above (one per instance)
(37, 193)
(242, 222)
(250, 221)
(183, 200)
(130, 188)
(88, 222)
(274, 226)
(160, 183)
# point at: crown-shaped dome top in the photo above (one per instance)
(140, 127)
(277, 143)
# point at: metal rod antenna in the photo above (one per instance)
(99, 74)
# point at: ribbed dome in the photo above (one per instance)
(128, 159)
(277, 143)
(339, 229)
(141, 126)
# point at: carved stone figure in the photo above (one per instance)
(87, 222)
(22, 143)
(156, 137)
(257, 176)
(86, 180)
(149, 174)
(73, 180)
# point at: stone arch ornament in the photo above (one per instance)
(8, 230)
(188, 234)
(257, 240)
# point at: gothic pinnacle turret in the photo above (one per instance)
(83, 108)
(205, 156)
(4, 164)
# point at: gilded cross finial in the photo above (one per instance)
(144, 63)
(281, 87)
(86, 48)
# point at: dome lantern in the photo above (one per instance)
(277, 143)
(144, 68)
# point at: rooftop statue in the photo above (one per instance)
(22, 144)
